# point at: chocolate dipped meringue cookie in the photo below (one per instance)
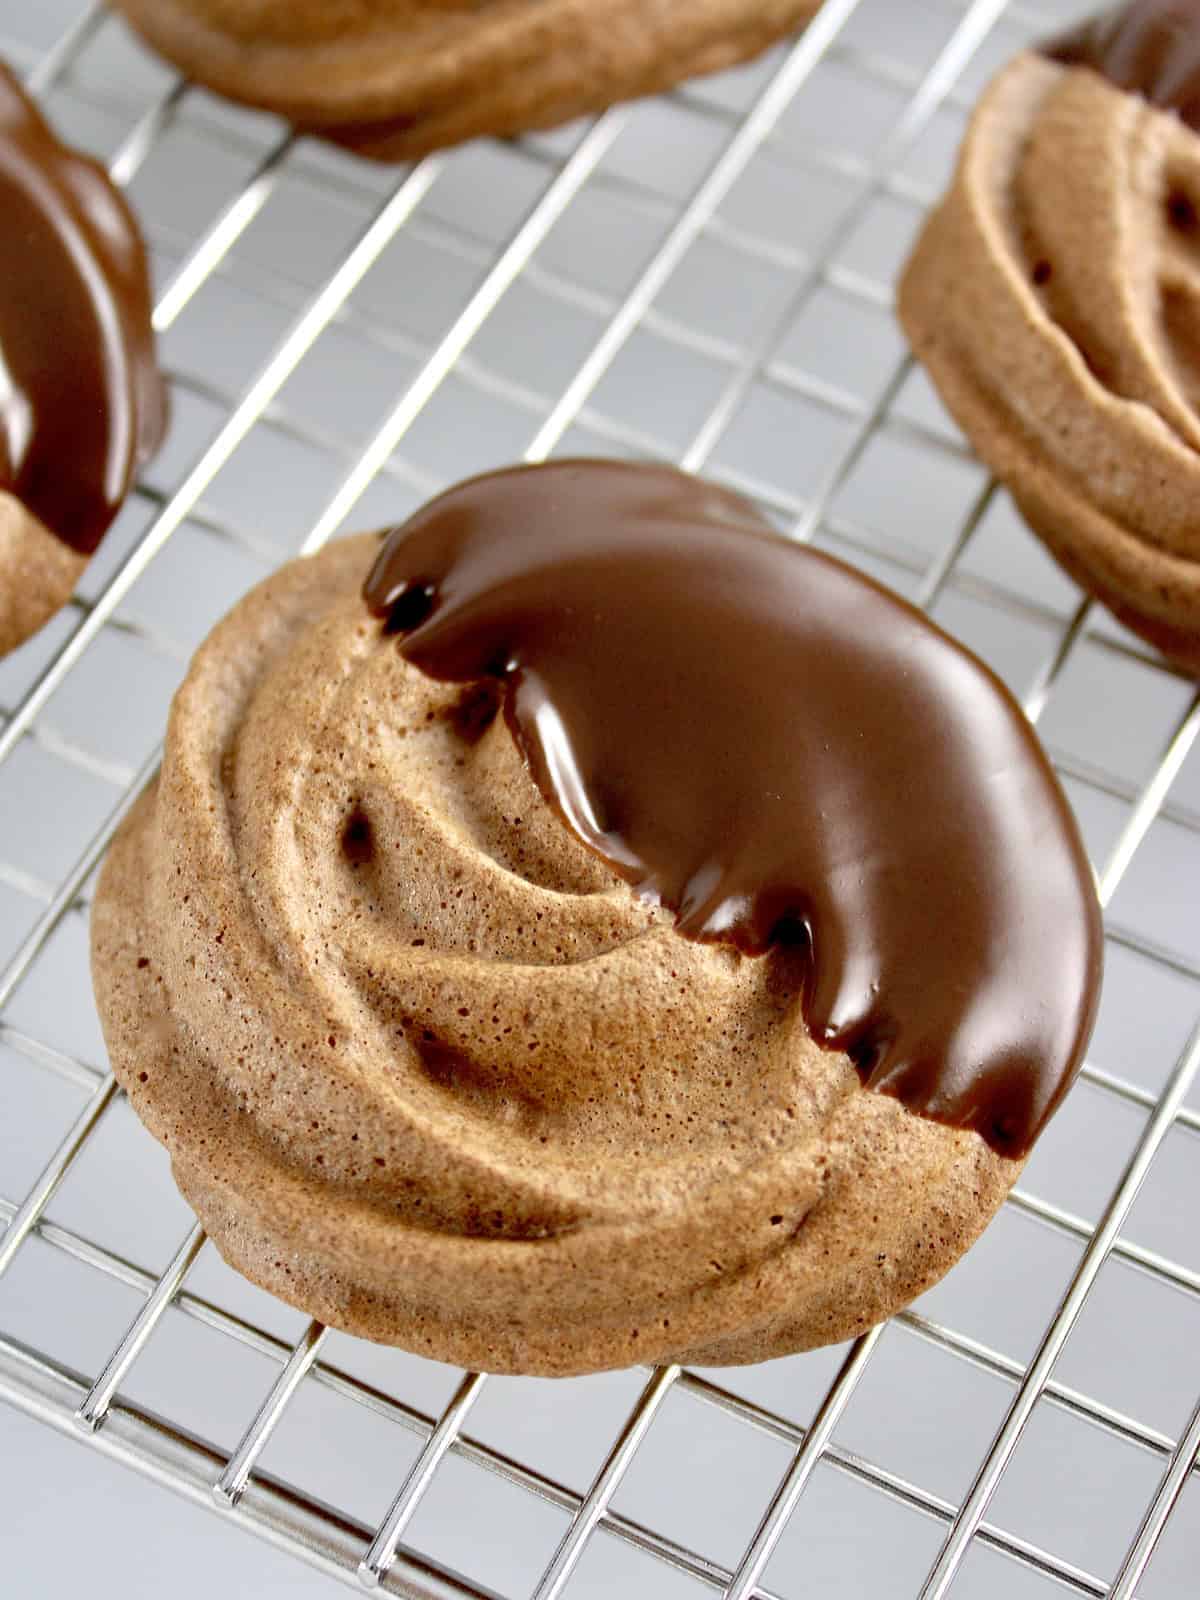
(628, 936)
(1054, 297)
(394, 79)
(82, 404)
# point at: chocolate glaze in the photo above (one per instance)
(81, 400)
(778, 750)
(1151, 47)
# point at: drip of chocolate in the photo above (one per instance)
(1149, 47)
(82, 404)
(777, 749)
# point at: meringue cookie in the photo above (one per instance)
(82, 404)
(395, 79)
(430, 1069)
(1054, 297)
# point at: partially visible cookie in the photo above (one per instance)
(82, 403)
(38, 573)
(1054, 297)
(397, 78)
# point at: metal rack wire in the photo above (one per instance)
(919, 72)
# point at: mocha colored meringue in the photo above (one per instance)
(82, 403)
(430, 1069)
(1054, 297)
(394, 79)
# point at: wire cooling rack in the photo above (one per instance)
(707, 278)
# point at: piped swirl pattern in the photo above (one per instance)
(428, 1069)
(1054, 297)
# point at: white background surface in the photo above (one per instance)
(127, 1536)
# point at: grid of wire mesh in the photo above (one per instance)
(705, 278)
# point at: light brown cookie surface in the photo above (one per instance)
(38, 573)
(1054, 297)
(429, 1070)
(397, 78)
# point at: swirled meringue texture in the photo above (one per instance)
(82, 404)
(1054, 297)
(430, 1068)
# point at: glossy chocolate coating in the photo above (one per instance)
(778, 750)
(81, 400)
(1149, 47)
